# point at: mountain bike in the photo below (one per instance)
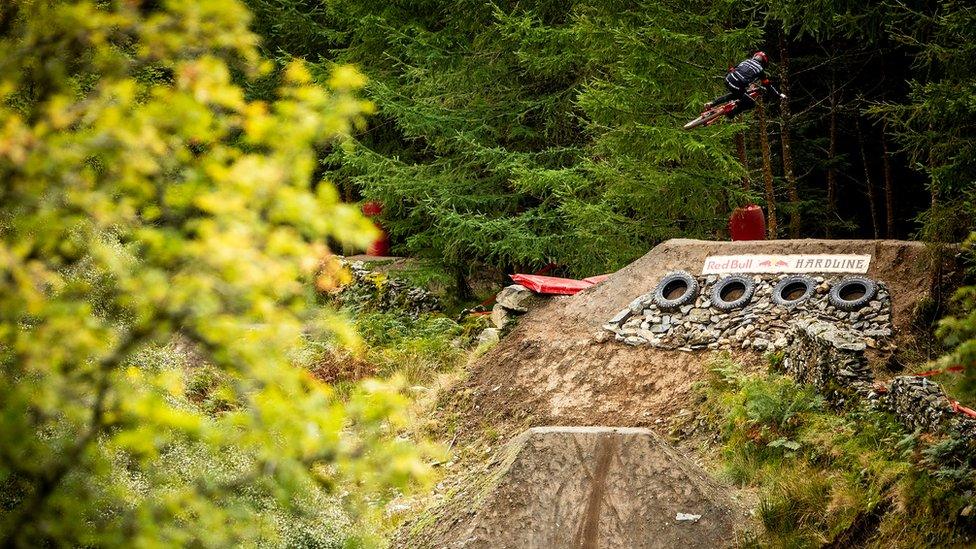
(717, 112)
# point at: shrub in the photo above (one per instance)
(145, 196)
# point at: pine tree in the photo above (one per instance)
(526, 132)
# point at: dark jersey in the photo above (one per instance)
(744, 74)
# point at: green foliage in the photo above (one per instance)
(415, 347)
(519, 133)
(850, 479)
(958, 330)
(143, 196)
(936, 126)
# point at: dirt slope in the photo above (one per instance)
(590, 487)
(551, 371)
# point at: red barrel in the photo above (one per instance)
(380, 246)
(748, 223)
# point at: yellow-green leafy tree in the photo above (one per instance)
(144, 197)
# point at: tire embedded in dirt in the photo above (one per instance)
(852, 293)
(677, 288)
(732, 292)
(793, 290)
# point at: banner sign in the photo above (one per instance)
(806, 263)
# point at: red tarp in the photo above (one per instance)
(554, 285)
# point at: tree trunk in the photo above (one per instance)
(889, 188)
(740, 149)
(868, 182)
(767, 169)
(932, 188)
(831, 159)
(785, 140)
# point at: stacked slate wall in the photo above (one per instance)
(828, 357)
(832, 359)
(760, 325)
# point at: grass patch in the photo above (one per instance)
(843, 478)
(417, 348)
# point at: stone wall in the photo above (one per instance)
(918, 402)
(832, 359)
(380, 291)
(828, 357)
(760, 325)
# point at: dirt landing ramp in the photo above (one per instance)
(589, 487)
(550, 370)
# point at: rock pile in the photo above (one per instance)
(513, 301)
(829, 358)
(510, 303)
(379, 291)
(759, 325)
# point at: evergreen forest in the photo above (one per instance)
(523, 133)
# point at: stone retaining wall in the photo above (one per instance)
(832, 359)
(761, 325)
(829, 358)
(918, 402)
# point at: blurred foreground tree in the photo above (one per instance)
(142, 195)
(958, 329)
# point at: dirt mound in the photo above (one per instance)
(551, 370)
(590, 487)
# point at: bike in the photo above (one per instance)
(714, 114)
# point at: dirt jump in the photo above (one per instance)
(554, 368)
(557, 367)
(593, 487)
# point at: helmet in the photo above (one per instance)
(761, 57)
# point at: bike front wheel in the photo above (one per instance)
(705, 118)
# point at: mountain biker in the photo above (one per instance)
(738, 80)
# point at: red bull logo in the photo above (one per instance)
(811, 263)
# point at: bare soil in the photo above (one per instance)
(589, 487)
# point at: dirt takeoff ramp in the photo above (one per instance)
(590, 487)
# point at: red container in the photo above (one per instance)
(380, 246)
(372, 208)
(748, 223)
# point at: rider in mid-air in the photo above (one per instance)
(738, 79)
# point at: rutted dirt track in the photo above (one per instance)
(552, 368)
(589, 487)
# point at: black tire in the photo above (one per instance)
(852, 293)
(740, 287)
(666, 295)
(791, 285)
